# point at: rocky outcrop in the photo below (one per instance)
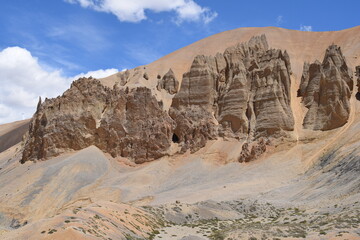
(357, 73)
(169, 83)
(250, 152)
(124, 77)
(122, 122)
(325, 90)
(242, 93)
(192, 107)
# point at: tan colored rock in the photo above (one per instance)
(242, 93)
(128, 123)
(257, 149)
(169, 83)
(325, 90)
(357, 73)
(123, 77)
(146, 76)
(192, 107)
(256, 99)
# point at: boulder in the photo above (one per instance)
(257, 149)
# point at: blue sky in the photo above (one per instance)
(64, 38)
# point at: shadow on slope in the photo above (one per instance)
(13, 135)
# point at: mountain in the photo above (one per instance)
(249, 133)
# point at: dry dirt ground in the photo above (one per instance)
(305, 188)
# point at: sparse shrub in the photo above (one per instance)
(52, 231)
(217, 235)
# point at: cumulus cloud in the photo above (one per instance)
(101, 73)
(23, 80)
(305, 28)
(134, 11)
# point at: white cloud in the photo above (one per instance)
(279, 19)
(97, 74)
(23, 80)
(134, 11)
(305, 28)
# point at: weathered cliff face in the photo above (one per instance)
(169, 83)
(325, 90)
(192, 107)
(128, 123)
(243, 93)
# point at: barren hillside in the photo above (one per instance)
(237, 144)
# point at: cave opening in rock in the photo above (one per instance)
(175, 138)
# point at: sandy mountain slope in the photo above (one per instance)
(301, 46)
(12, 133)
(308, 187)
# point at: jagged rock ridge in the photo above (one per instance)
(242, 93)
(325, 90)
(122, 122)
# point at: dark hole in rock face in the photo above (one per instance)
(357, 96)
(175, 138)
(298, 93)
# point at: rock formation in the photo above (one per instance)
(257, 149)
(169, 83)
(192, 107)
(242, 93)
(124, 77)
(325, 90)
(358, 82)
(122, 122)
